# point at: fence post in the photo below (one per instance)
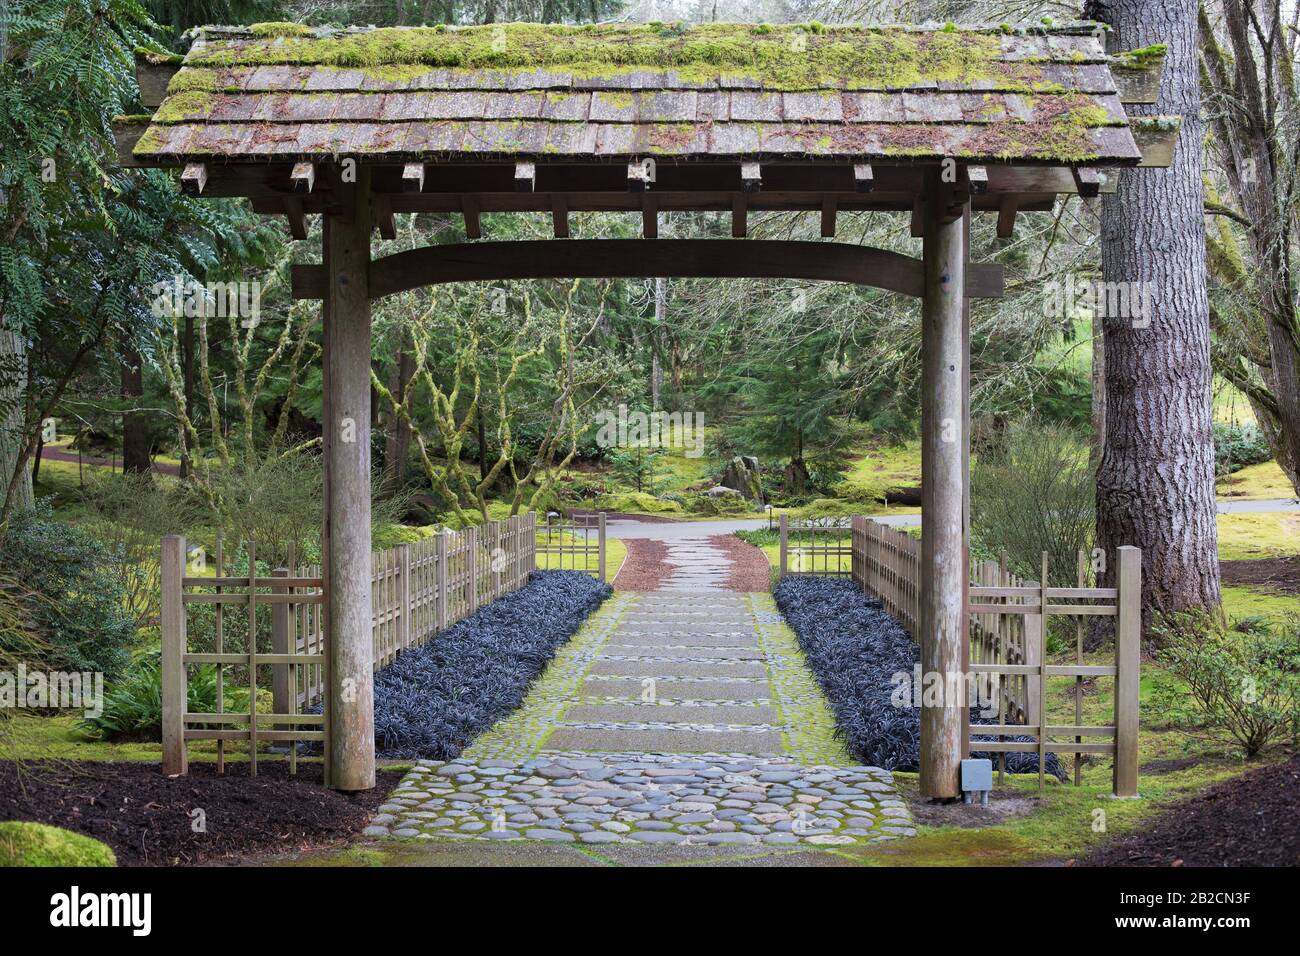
(1033, 657)
(172, 620)
(440, 580)
(471, 573)
(785, 543)
(600, 561)
(280, 645)
(1128, 641)
(405, 630)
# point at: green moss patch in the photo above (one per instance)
(35, 844)
(801, 56)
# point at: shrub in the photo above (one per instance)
(634, 503)
(1033, 492)
(72, 599)
(34, 844)
(130, 513)
(133, 704)
(1244, 679)
(1237, 445)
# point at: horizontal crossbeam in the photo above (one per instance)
(648, 259)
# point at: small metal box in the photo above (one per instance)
(976, 775)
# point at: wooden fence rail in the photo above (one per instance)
(417, 590)
(1008, 624)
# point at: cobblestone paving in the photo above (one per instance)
(682, 718)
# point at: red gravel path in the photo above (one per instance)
(750, 570)
(644, 568)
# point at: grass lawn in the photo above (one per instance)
(1256, 482)
(1264, 535)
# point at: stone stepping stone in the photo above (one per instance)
(670, 649)
(630, 668)
(664, 741)
(674, 713)
(722, 690)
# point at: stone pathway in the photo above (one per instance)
(683, 717)
(699, 565)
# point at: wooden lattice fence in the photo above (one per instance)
(417, 590)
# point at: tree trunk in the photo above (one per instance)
(13, 388)
(481, 428)
(656, 341)
(397, 437)
(1098, 396)
(188, 358)
(135, 434)
(1155, 483)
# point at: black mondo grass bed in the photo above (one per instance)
(435, 699)
(855, 649)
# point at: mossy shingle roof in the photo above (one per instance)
(280, 92)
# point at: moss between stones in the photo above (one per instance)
(35, 844)
(800, 56)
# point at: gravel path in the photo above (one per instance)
(673, 717)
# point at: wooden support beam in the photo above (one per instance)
(172, 619)
(153, 71)
(297, 221)
(918, 218)
(1137, 78)
(978, 177)
(126, 133)
(346, 532)
(1128, 661)
(633, 258)
(1156, 137)
(560, 216)
(193, 178)
(828, 217)
(650, 216)
(469, 209)
(383, 210)
(525, 177)
(864, 178)
(639, 176)
(739, 216)
(1087, 180)
(751, 177)
(1007, 217)
(413, 178)
(303, 177)
(943, 376)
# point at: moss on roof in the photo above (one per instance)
(782, 57)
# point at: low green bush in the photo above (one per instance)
(1237, 445)
(133, 704)
(23, 843)
(637, 503)
(1244, 679)
(71, 598)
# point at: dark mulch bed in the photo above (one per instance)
(1274, 574)
(644, 569)
(1247, 821)
(750, 570)
(433, 700)
(145, 816)
(854, 649)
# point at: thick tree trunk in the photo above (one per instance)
(135, 433)
(1155, 483)
(13, 387)
(1098, 397)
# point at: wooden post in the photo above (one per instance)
(942, 589)
(440, 579)
(471, 574)
(405, 632)
(1128, 646)
(172, 621)
(347, 504)
(280, 645)
(600, 559)
(785, 544)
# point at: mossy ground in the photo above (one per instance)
(35, 844)
(1263, 481)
